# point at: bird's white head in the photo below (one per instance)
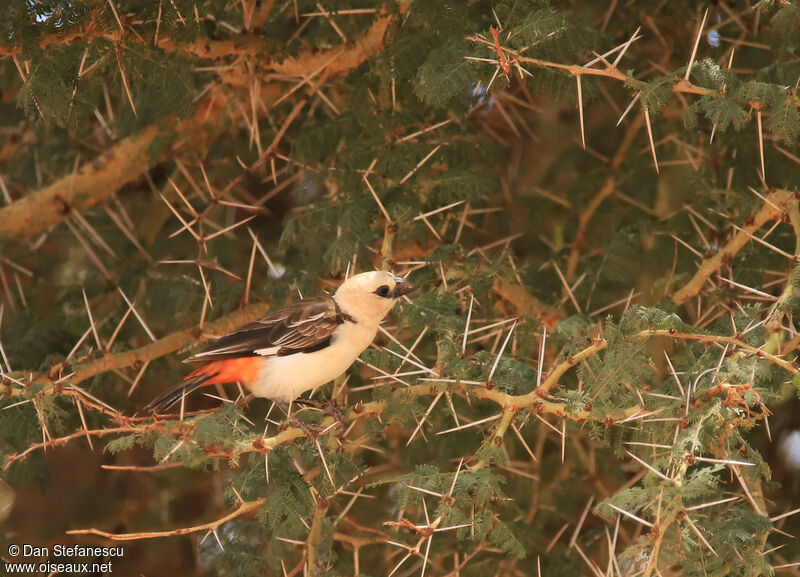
(369, 296)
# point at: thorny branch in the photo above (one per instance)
(538, 401)
(95, 182)
(240, 511)
(782, 202)
(129, 159)
(773, 321)
(511, 58)
(243, 44)
(137, 357)
(512, 406)
(607, 190)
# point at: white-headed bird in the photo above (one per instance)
(301, 346)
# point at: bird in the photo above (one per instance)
(298, 348)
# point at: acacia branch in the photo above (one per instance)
(147, 353)
(371, 42)
(607, 190)
(535, 399)
(783, 200)
(252, 45)
(315, 536)
(94, 182)
(789, 366)
(212, 526)
(526, 303)
(778, 311)
(66, 439)
(680, 86)
(129, 159)
(90, 185)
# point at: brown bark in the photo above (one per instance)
(94, 182)
(782, 200)
(129, 159)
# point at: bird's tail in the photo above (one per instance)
(245, 369)
(165, 401)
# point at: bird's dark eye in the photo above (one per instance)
(382, 291)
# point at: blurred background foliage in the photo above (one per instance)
(600, 199)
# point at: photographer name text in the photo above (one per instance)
(60, 559)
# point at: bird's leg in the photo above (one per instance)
(311, 429)
(306, 402)
(283, 406)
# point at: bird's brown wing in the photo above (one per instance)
(301, 327)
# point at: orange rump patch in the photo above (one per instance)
(243, 369)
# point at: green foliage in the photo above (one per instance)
(656, 93)
(286, 508)
(164, 83)
(443, 77)
(784, 121)
(550, 34)
(786, 27)
(503, 537)
(723, 112)
(578, 369)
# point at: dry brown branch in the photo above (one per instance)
(782, 199)
(96, 181)
(680, 86)
(525, 303)
(212, 526)
(66, 439)
(129, 159)
(370, 43)
(608, 188)
(152, 351)
(254, 45)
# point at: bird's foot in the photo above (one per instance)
(329, 408)
(313, 429)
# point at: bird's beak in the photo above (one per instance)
(402, 287)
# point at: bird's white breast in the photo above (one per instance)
(286, 378)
